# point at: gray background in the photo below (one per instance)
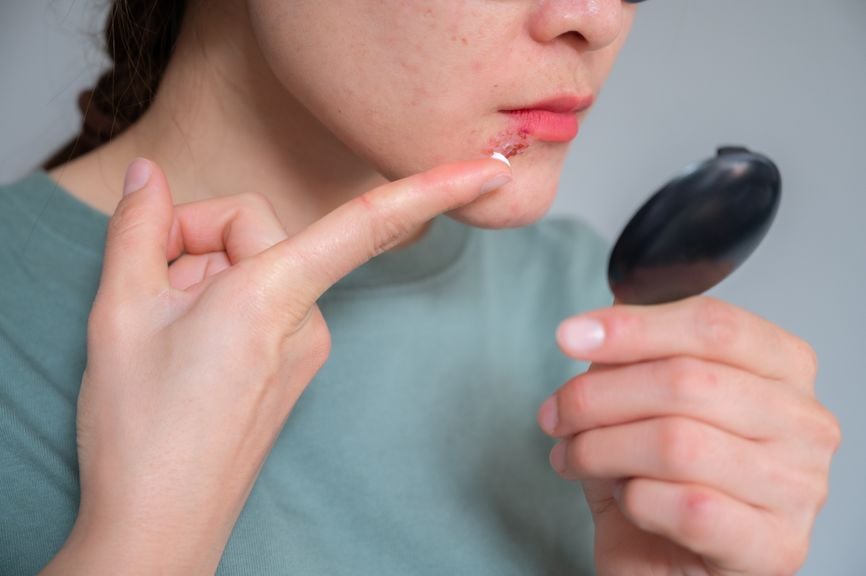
(786, 78)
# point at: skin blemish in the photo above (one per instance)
(509, 143)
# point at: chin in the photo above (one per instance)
(514, 205)
(526, 199)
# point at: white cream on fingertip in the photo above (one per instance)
(501, 157)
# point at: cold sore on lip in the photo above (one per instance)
(537, 124)
(509, 143)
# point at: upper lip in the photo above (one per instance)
(563, 104)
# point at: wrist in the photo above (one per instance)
(102, 547)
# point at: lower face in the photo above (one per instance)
(409, 85)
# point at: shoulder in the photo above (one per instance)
(23, 197)
(35, 210)
(18, 199)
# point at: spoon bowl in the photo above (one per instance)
(697, 229)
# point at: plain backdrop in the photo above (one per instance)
(783, 77)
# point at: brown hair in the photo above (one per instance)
(140, 36)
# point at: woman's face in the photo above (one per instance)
(409, 84)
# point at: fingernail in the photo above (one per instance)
(496, 182)
(501, 157)
(580, 334)
(137, 176)
(548, 415)
(557, 457)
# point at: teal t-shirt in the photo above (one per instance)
(415, 449)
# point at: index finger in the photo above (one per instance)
(700, 326)
(301, 268)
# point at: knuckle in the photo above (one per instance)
(310, 344)
(835, 433)
(821, 424)
(679, 446)
(258, 288)
(313, 348)
(808, 358)
(623, 325)
(633, 501)
(831, 430)
(696, 517)
(127, 217)
(255, 202)
(574, 399)
(385, 228)
(688, 380)
(321, 345)
(387, 232)
(821, 492)
(799, 490)
(319, 341)
(715, 323)
(792, 557)
(127, 211)
(579, 457)
(110, 320)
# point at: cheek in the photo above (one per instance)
(444, 54)
(393, 64)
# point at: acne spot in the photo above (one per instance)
(463, 40)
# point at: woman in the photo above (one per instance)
(288, 144)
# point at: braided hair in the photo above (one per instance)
(140, 36)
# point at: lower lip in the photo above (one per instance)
(546, 125)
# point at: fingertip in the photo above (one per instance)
(548, 415)
(138, 174)
(580, 335)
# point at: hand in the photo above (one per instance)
(707, 415)
(194, 367)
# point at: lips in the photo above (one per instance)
(551, 120)
(565, 104)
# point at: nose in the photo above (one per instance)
(594, 23)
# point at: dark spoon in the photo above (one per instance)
(697, 229)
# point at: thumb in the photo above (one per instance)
(135, 265)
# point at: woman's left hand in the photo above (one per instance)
(708, 414)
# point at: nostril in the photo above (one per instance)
(575, 38)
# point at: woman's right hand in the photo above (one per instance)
(203, 334)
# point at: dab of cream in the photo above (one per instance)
(501, 157)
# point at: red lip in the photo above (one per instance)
(551, 120)
(565, 104)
